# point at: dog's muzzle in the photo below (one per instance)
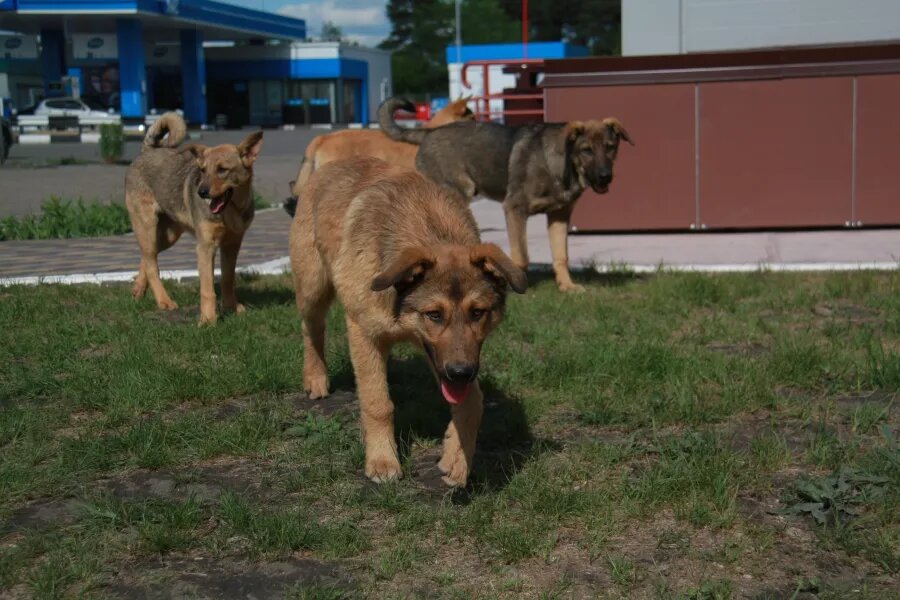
(217, 204)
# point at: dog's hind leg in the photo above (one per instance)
(376, 408)
(459, 440)
(315, 369)
(154, 233)
(314, 293)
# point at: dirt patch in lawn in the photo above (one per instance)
(226, 579)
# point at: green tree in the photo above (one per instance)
(421, 30)
(331, 32)
(485, 22)
(596, 24)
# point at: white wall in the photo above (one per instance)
(380, 76)
(381, 83)
(678, 26)
(651, 27)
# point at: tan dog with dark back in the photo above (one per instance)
(205, 191)
(404, 258)
(539, 168)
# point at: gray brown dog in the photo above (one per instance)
(404, 258)
(542, 168)
(205, 191)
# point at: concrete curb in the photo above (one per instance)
(281, 265)
(271, 267)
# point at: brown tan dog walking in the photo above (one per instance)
(205, 191)
(404, 258)
(367, 142)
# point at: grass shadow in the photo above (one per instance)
(505, 442)
(263, 297)
(587, 276)
(421, 416)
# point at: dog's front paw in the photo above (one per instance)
(236, 308)
(138, 291)
(167, 304)
(381, 469)
(316, 386)
(207, 320)
(571, 288)
(455, 468)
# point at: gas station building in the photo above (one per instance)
(219, 63)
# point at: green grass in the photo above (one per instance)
(666, 436)
(260, 202)
(61, 219)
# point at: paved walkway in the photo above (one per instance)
(265, 251)
(266, 241)
(23, 188)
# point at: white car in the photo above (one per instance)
(69, 107)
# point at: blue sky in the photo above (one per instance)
(361, 20)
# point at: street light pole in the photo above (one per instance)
(458, 31)
(524, 28)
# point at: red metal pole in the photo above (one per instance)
(524, 28)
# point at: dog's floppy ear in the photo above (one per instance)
(618, 129)
(409, 265)
(250, 147)
(569, 134)
(497, 264)
(195, 150)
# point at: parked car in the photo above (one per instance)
(6, 139)
(69, 107)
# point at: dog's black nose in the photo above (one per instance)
(604, 176)
(203, 191)
(460, 372)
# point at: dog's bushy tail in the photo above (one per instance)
(170, 126)
(390, 127)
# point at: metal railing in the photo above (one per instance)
(483, 110)
(75, 124)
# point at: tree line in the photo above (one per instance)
(421, 30)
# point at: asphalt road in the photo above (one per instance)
(33, 173)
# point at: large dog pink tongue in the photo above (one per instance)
(455, 393)
(217, 205)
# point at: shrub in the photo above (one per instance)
(112, 142)
(67, 219)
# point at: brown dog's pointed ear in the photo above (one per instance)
(617, 128)
(195, 150)
(250, 147)
(496, 263)
(410, 264)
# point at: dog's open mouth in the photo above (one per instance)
(455, 393)
(217, 205)
(600, 188)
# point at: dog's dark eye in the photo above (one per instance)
(435, 316)
(477, 313)
(587, 150)
(222, 172)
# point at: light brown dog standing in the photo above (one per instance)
(205, 191)
(404, 258)
(369, 142)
